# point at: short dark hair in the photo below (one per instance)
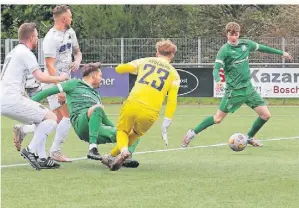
(90, 67)
(26, 30)
(58, 10)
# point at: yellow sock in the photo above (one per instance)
(115, 151)
(132, 137)
(122, 140)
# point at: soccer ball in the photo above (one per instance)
(237, 142)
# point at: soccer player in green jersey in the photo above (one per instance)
(233, 58)
(87, 114)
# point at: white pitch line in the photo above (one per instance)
(205, 115)
(167, 150)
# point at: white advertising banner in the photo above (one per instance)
(270, 82)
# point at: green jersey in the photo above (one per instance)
(234, 60)
(80, 96)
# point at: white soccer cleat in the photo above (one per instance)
(187, 138)
(59, 156)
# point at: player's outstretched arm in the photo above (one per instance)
(60, 87)
(44, 78)
(267, 49)
(45, 93)
(125, 68)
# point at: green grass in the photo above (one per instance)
(202, 177)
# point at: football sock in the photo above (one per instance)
(209, 121)
(61, 133)
(115, 151)
(122, 140)
(91, 146)
(28, 128)
(40, 135)
(257, 125)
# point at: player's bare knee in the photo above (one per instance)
(217, 119)
(50, 115)
(266, 116)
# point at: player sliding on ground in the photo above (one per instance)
(233, 58)
(156, 77)
(87, 115)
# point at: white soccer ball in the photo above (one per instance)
(237, 142)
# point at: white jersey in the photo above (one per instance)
(59, 45)
(18, 63)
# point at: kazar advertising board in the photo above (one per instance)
(270, 82)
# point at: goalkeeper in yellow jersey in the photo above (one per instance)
(156, 78)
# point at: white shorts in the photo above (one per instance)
(53, 99)
(23, 110)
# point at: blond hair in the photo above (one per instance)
(26, 30)
(59, 10)
(166, 47)
(232, 27)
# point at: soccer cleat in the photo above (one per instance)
(94, 154)
(108, 160)
(59, 156)
(119, 160)
(254, 142)
(131, 163)
(19, 136)
(48, 163)
(31, 158)
(187, 138)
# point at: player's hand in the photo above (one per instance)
(74, 66)
(219, 85)
(165, 126)
(63, 76)
(287, 56)
(61, 98)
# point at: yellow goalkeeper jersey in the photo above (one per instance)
(156, 78)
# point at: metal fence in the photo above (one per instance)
(191, 52)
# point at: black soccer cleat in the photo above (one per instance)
(31, 158)
(94, 154)
(48, 163)
(131, 163)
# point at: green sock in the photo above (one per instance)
(96, 128)
(257, 125)
(209, 121)
(132, 148)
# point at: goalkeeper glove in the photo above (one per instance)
(165, 126)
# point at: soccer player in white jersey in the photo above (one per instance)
(59, 44)
(17, 65)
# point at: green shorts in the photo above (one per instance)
(234, 99)
(80, 125)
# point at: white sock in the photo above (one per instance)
(41, 152)
(61, 133)
(92, 146)
(28, 128)
(40, 135)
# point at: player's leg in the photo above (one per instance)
(28, 111)
(62, 129)
(231, 101)
(256, 102)
(143, 121)
(125, 124)
(20, 131)
(98, 134)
